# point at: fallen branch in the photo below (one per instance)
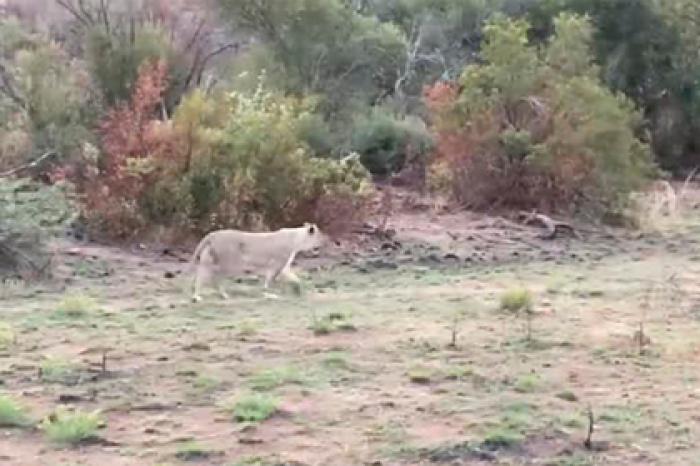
(552, 226)
(26, 166)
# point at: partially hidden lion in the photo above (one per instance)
(234, 253)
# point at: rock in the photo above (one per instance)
(451, 257)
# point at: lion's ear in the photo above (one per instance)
(312, 229)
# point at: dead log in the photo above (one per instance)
(552, 227)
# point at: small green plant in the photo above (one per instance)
(458, 372)
(421, 375)
(247, 328)
(255, 407)
(335, 360)
(206, 384)
(335, 321)
(75, 306)
(518, 302)
(510, 430)
(12, 414)
(7, 335)
(269, 379)
(502, 437)
(322, 327)
(59, 371)
(71, 428)
(528, 383)
(192, 451)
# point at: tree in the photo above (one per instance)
(642, 65)
(533, 127)
(324, 47)
(44, 95)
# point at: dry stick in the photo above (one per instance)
(588, 442)
(31, 164)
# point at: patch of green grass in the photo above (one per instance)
(502, 437)
(335, 360)
(622, 418)
(458, 372)
(205, 383)
(7, 335)
(71, 428)
(516, 300)
(248, 328)
(572, 420)
(192, 451)
(253, 461)
(255, 407)
(576, 459)
(269, 379)
(517, 416)
(54, 370)
(528, 383)
(322, 327)
(12, 414)
(333, 322)
(515, 420)
(74, 306)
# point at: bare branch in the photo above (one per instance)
(74, 11)
(29, 165)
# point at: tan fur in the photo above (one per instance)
(236, 253)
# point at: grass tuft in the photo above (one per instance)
(255, 407)
(12, 414)
(71, 428)
(75, 306)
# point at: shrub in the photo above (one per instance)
(64, 427)
(115, 58)
(534, 127)
(12, 414)
(386, 142)
(254, 408)
(47, 100)
(75, 306)
(31, 215)
(215, 165)
(516, 300)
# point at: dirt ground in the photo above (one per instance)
(362, 368)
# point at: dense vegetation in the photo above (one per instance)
(189, 116)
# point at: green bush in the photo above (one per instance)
(533, 127)
(385, 142)
(115, 58)
(47, 103)
(30, 216)
(254, 408)
(71, 428)
(12, 414)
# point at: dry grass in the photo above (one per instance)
(393, 390)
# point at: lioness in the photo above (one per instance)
(235, 253)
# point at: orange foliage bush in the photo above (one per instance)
(130, 132)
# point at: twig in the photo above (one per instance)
(28, 165)
(588, 443)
